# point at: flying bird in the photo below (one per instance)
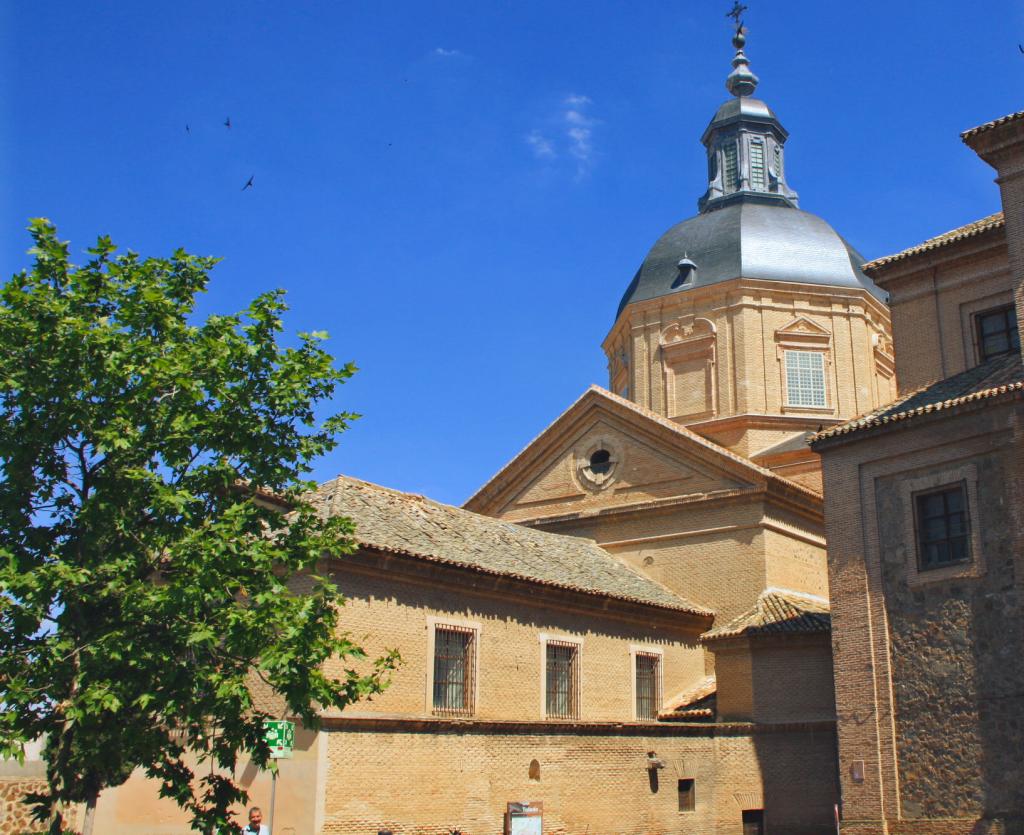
(249, 184)
(1020, 47)
(188, 130)
(227, 123)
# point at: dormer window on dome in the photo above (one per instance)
(687, 272)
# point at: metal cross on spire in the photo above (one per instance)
(737, 13)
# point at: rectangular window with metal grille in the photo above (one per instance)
(729, 167)
(758, 178)
(943, 534)
(562, 683)
(648, 685)
(805, 378)
(454, 669)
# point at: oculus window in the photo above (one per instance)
(805, 379)
(943, 530)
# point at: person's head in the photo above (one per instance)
(255, 816)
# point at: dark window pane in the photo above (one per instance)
(942, 527)
(997, 332)
(562, 681)
(648, 684)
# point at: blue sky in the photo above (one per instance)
(459, 192)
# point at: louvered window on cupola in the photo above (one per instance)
(758, 178)
(778, 161)
(729, 167)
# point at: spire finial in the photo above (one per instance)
(741, 81)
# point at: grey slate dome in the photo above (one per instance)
(749, 224)
(766, 241)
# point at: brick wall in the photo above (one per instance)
(745, 375)
(596, 780)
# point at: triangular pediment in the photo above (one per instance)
(648, 458)
(803, 326)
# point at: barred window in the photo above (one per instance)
(943, 534)
(648, 685)
(758, 178)
(562, 691)
(997, 332)
(729, 168)
(454, 669)
(805, 378)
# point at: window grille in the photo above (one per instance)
(729, 168)
(758, 180)
(805, 378)
(942, 527)
(454, 670)
(648, 685)
(997, 332)
(562, 694)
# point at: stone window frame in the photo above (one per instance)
(696, 341)
(543, 639)
(646, 649)
(581, 461)
(433, 623)
(813, 339)
(910, 489)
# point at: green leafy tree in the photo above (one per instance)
(154, 522)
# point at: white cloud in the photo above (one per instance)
(542, 147)
(579, 131)
(569, 134)
(447, 53)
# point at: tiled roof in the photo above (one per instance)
(778, 612)
(970, 230)
(693, 694)
(999, 375)
(404, 523)
(985, 128)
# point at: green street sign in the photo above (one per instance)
(280, 736)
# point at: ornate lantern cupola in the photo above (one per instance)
(744, 143)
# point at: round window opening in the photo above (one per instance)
(601, 462)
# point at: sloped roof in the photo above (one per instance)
(970, 230)
(999, 375)
(693, 694)
(408, 524)
(967, 135)
(596, 395)
(778, 612)
(794, 443)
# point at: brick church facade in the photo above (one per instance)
(628, 626)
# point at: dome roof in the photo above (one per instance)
(748, 239)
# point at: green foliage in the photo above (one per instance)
(143, 590)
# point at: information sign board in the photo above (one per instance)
(280, 736)
(524, 818)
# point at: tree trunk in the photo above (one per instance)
(90, 814)
(56, 821)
